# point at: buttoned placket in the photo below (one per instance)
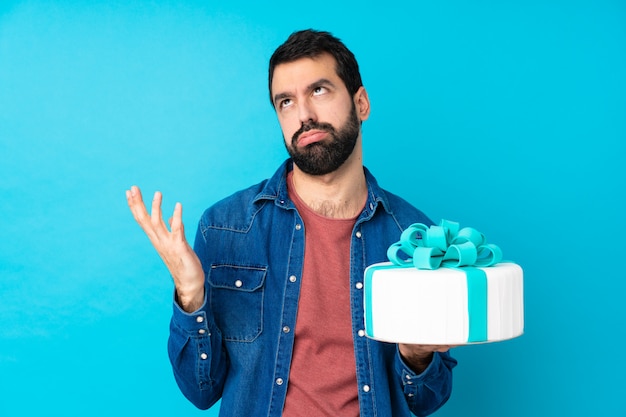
(290, 306)
(363, 361)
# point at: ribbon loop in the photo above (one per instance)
(463, 254)
(393, 255)
(413, 234)
(469, 234)
(488, 254)
(427, 258)
(445, 245)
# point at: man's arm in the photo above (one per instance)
(195, 347)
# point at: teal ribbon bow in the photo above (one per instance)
(449, 246)
(445, 245)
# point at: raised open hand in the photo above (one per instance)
(172, 247)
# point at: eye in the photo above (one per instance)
(285, 103)
(319, 91)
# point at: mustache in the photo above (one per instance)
(327, 127)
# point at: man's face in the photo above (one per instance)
(318, 117)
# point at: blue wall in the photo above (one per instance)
(506, 116)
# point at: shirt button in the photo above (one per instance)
(238, 283)
(201, 331)
(279, 381)
(361, 332)
(292, 278)
(358, 234)
(203, 356)
(366, 388)
(298, 226)
(199, 319)
(286, 329)
(359, 285)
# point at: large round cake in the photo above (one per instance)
(448, 301)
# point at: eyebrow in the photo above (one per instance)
(322, 82)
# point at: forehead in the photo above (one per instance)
(291, 76)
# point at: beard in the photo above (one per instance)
(324, 157)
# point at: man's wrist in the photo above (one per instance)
(418, 362)
(190, 302)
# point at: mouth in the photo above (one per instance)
(311, 136)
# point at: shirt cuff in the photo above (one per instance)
(195, 323)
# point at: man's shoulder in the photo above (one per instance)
(243, 204)
(403, 211)
(236, 210)
(242, 197)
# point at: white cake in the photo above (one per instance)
(444, 305)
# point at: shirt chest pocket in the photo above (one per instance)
(236, 296)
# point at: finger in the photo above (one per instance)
(176, 222)
(136, 205)
(445, 348)
(138, 209)
(135, 194)
(130, 196)
(155, 212)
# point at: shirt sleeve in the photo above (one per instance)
(198, 359)
(429, 390)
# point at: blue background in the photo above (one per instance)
(505, 116)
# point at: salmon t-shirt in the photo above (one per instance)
(322, 379)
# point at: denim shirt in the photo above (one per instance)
(237, 347)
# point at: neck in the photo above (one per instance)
(340, 194)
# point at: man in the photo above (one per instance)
(268, 312)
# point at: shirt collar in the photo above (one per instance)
(275, 188)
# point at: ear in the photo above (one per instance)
(362, 103)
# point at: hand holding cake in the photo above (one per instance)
(418, 357)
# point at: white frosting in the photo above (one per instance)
(407, 305)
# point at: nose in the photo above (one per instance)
(306, 112)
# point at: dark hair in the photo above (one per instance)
(311, 43)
